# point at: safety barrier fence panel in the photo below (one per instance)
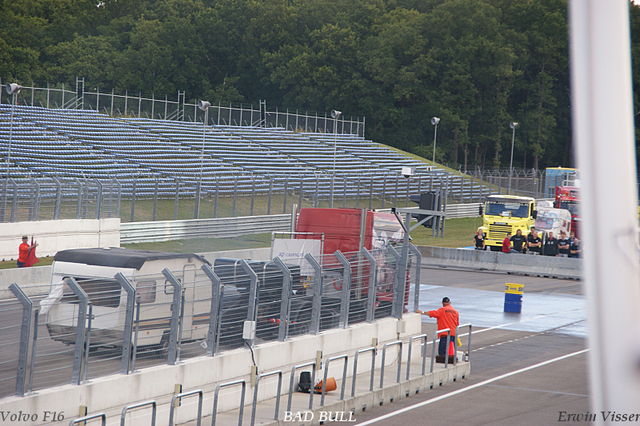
(93, 327)
(255, 395)
(178, 397)
(176, 400)
(216, 394)
(129, 408)
(323, 391)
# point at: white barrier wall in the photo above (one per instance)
(55, 235)
(113, 392)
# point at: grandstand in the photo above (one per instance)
(146, 154)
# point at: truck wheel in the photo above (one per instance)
(495, 248)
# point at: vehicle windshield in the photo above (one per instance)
(572, 206)
(498, 208)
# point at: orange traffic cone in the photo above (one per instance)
(451, 349)
(331, 385)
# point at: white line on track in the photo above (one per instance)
(477, 385)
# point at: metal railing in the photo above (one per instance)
(217, 393)
(131, 104)
(255, 395)
(126, 409)
(384, 353)
(185, 394)
(278, 391)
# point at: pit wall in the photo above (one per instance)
(110, 394)
(562, 267)
(55, 235)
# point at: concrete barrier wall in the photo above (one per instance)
(55, 235)
(562, 267)
(113, 392)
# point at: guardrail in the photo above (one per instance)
(228, 227)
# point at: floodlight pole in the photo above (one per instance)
(335, 115)
(204, 106)
(434, 122)
(12, 89)
(513, 126)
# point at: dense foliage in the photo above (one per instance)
(476, 64)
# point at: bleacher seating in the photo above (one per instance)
(86, 144)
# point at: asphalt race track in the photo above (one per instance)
(527, 369)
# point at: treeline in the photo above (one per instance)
(476, 64)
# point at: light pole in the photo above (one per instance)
(513, 126)
(12, 89)
(434, 121)
(335, 115)
(204, 106)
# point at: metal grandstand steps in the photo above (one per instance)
(87, 144)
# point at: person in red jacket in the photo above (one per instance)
(447, 317)
(23, 251)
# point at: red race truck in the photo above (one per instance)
(342, 231)
(568, 197)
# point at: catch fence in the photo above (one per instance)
(93, 327)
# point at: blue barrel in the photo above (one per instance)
(513, 298)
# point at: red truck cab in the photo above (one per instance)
(568, 197)
(341, 229)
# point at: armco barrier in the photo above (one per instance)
(560, 267)
(227, 227)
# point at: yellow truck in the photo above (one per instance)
(506, 213)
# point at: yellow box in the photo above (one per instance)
(514, 288)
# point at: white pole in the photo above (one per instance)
(603, 131)
(435, 133)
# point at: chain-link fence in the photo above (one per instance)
(151, 199)
(89, 326)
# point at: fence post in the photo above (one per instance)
(253, 195)
(155, 200)
(314, 327)
(215, 198)
(175, 314)
(235, 196)
(373, 278)
(14, 202)
(98, 199)
(253, 293)
(80, 329)
(401, 274)
(269, 202)
(175, 207)
(384, 190)
(346, 289)
(133, 198)
(128, 322)
(25, 329)
(285, 305)
(395, 195)
(300, 189)
(416, 286)
(217, 293)
(56, 209)
(284, 204)
(344, 198)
